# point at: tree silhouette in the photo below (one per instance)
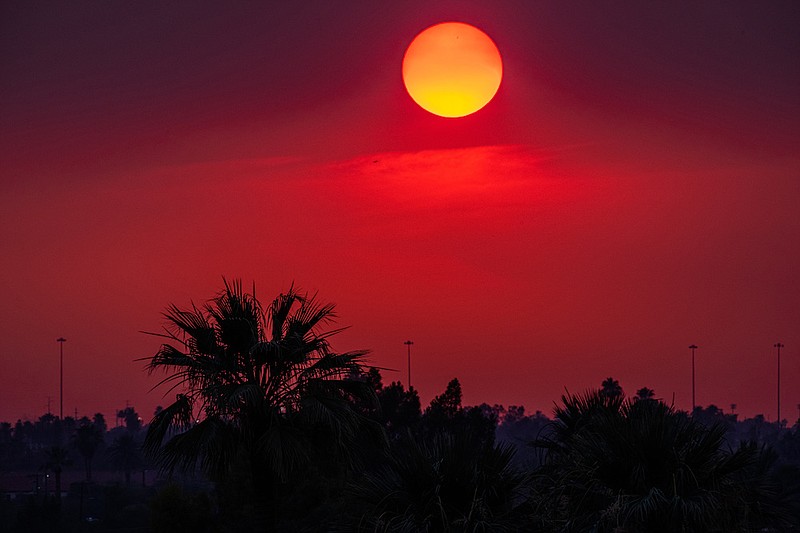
(126, 455)
(56, 458)
(611, 388)
(254, 384)
(639, 465)
(446, 405)
(448, 482)
(87, 440)
(400, 409)
(644, 394)
(133, 421)
(446, 414)
(99, 421)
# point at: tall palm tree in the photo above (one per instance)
(611, 388)
(87, 440)
(252, 383)
(645, 393)
(125, 454)
(57, 457)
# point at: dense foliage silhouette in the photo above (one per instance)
(273, 430)
(642, 466)
(260, 390)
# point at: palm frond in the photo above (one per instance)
(282, 448)
(309, 316)
(210, 444)
(178, 416)
(279, 311)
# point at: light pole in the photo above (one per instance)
(408, 344)
(779, 346)
(61, 341)
(693, 347)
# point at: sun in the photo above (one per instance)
(452, 69)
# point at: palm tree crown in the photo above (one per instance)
(640, 465)
(249, 381)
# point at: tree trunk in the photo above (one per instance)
(265, 492)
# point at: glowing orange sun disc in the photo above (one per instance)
(452, 69)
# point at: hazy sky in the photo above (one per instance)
(632, 189)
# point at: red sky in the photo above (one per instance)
(633, 188)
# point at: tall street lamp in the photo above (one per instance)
(779, 346)
(693, 347)
(408, 344)
(61, 341)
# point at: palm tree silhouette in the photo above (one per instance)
(125, 454)
(447, 482)
(611, 388)
(57, 457)
(644, 393)
(87, 439)
(251, 383)
(639, 465)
